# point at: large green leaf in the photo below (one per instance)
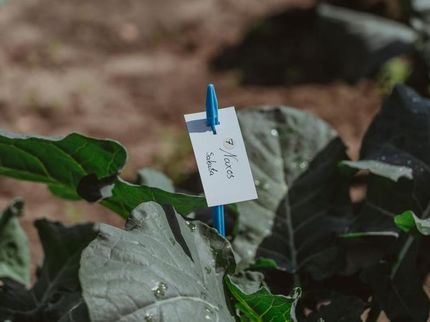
(318, 44)
(161, 268)
(310, 217)
(15, 300)
(262, 306)
(14, 251)
(421, 22)
(398, 287)
(56, 295)
(18, 304)
(76, 167)
(368, 41)
(398, 138)
(280, 142)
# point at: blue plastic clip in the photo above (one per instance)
(211, 108)
(212, 120)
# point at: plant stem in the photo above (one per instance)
(402, 254)
(292, 244)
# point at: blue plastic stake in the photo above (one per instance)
(212, 120)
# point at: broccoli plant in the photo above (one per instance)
(304, 251)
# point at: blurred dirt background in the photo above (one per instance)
(129, 70)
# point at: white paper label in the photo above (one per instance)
(221, 158)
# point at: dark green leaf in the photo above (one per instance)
(399, 137)
(76, 167)
(318, 44)
(407, 221)
(56, 295)
(14, 251)
(160, 268)
(280, 143)
(338, 308)
(368, 41)
(262, 306)
(14, 299)
(398, 140)
(398, 288)
(313, 213)
(384, 199)
(421, 22)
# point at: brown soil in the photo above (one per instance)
(129, 70)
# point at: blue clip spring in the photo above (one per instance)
(212, 120)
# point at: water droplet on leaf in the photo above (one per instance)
(303, 165)
(249, 252)
(191, 226)
(160, 290)
(274, 132)
(209, 313)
